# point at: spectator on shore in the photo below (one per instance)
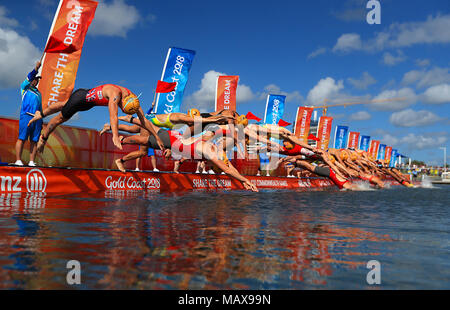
(31, 102)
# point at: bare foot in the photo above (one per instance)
(37, 116)
(126, 118)
(120, 165)
(41, 144)
(106, 127)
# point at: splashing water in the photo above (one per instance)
(364, 186)
(426, 182)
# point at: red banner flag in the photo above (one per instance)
(302, 123)
(283, 123)
(64, 46)
(373, 149)
(252, 116)
(313, 137)
(165, 87)
(324, 132)
(353, 140)
(226, 92)
(388, 155)
(70, 37)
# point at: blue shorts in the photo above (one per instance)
(33, 132)
(150, 152)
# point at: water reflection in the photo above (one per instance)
(198, 240)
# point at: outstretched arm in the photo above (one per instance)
(209, 152)
(150, 128)
(113, 103)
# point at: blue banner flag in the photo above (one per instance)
(364, 143)
(393, 158)
(274, 109)
(381, 152)
(176, 69)
(340, 137)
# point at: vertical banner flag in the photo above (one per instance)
(302, 123)
(274, 109)
(393, 158)
(373, 149)
(340, 137)
(226, 87)
(324, 132)
(63, 50)
(364, 143)
(381, 152)
(387, 156)
(353, 140)
(176, 69)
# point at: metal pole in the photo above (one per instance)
(445, 158)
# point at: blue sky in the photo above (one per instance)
(307, 50)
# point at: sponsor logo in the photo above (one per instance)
(36, 181)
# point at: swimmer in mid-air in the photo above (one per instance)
(109, 95)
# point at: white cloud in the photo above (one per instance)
(401, 99)
(348, 42)
(423, 62)
(411, 118)
(325, 89)
(364, 82)
(204, 98)
(420, 142)
(389, 139)
(6, 21)
(317, 52)
(437, 94)
(427, 78)
(114, 19)
(432, 31)
(392, 60)
(360, 116)
(294, 96)
(17, 57)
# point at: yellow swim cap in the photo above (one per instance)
(343, 155)
(288, 144)
(193, 112)
(130, 104)
(353, 156)
(223, 157)
(242, 120)
(332, 159)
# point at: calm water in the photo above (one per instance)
(227, 240)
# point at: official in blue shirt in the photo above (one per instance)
(31, 102)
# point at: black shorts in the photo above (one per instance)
(77, 102)
(165, 138)
(322, 171)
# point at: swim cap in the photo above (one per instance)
(332, 159)
(289, 145)
(242, 120)
(343, 155)
(130, 104)
(193, 112)
(223, 157)
(353, 156)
